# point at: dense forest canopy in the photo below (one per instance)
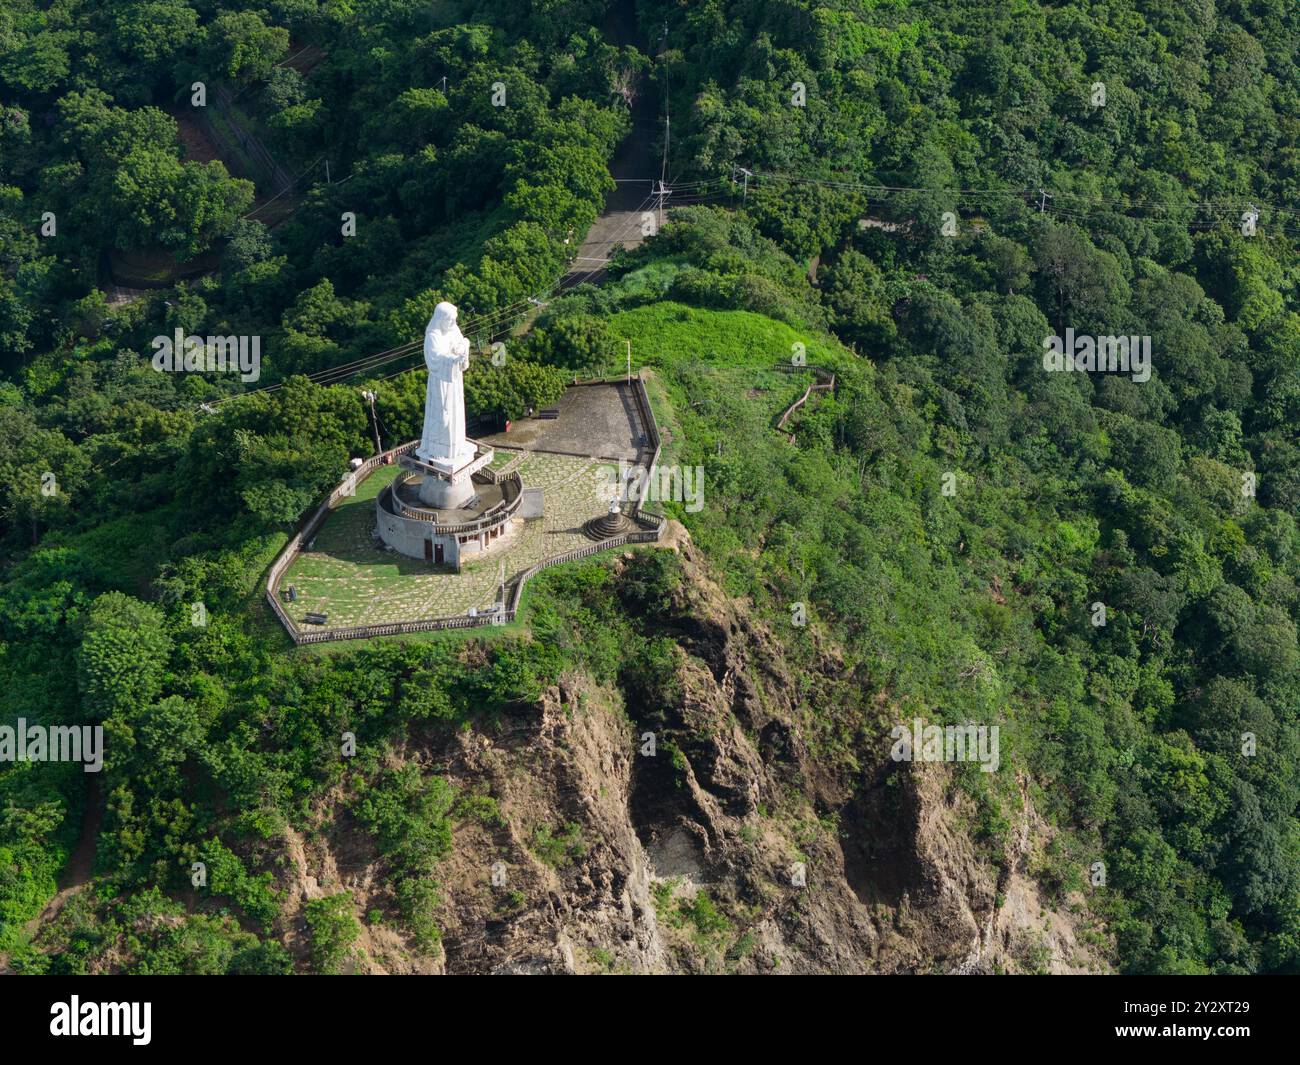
(919, 192)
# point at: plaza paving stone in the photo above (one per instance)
(351, 577)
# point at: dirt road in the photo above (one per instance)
(76, 874)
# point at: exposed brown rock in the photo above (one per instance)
(739, 790)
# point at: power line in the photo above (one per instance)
(1040, 194)
(294, 181)
(335, 374)
(494, 322)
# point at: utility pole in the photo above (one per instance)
(327, 172)
(629, 362)
(663, 166)
(1043, 197)
(374, 421)
(745, 193)
(662, 192)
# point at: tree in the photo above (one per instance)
(241, 46)
(855, 289)
(123, 656)
(334, 929)
(1083, 285)
(1008, 261)
(579, 342)
(249, 243)
(170, 730)
(510, 390)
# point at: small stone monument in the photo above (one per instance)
(614, 522)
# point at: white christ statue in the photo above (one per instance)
(446, 354)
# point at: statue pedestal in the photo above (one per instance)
(448, 484)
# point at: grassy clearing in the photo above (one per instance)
(674, 336)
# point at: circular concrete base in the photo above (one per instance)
(469, 519)
(446, 495)
(606, 526)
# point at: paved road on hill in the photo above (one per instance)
(635, 165)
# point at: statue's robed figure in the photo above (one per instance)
(446, 354)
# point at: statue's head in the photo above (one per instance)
(444, 317)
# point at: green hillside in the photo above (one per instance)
(913, 195)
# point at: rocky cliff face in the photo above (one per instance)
(739, 845)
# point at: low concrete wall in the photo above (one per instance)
(533, 503)
(345, 490)
(409, 535)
